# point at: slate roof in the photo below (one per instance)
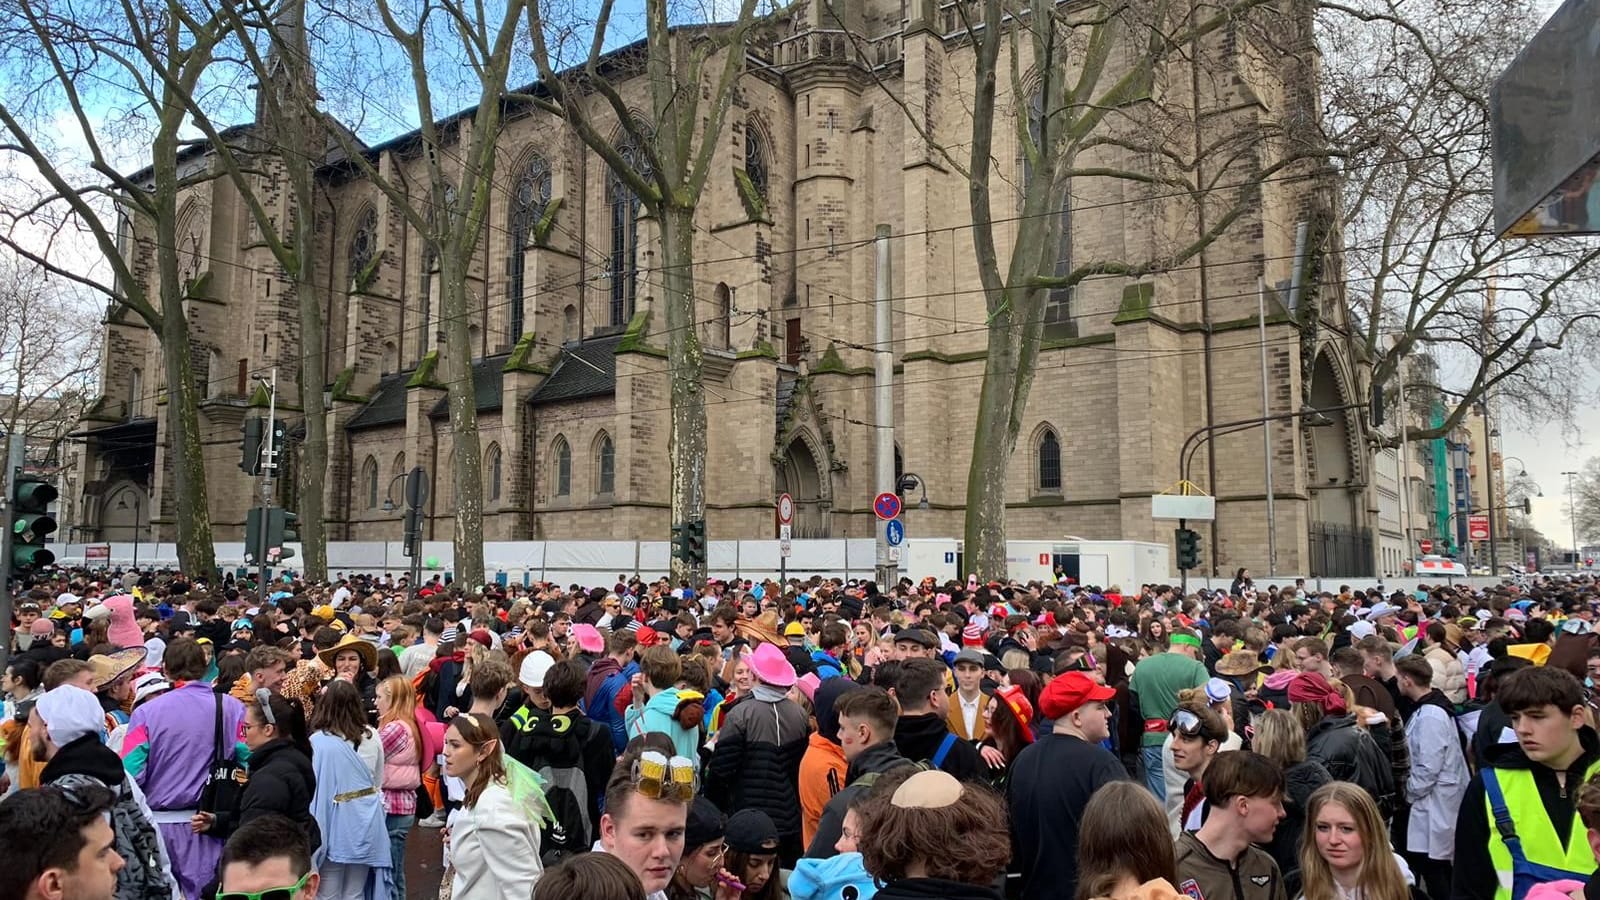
(485, 386)
(387, 406)
(587, 369)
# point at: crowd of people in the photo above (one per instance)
(818, 739)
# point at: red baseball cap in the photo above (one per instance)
(648, 637)
(1069, 691)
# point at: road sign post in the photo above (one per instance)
(1477, 528)
(785, 521)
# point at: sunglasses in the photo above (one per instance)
(279, 893)
(659, 778)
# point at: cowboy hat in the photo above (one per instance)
(1239, 662)
(367, 652)
(108, 667)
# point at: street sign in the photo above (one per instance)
(894, 554)
(783, 532)
(785, 509)
(785, 548)
(895, 532)
(886, 505)
(1425, 545)
(1477, 528)
(97, 553)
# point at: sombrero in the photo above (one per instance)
(108, 667)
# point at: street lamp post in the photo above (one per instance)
(1572, 516)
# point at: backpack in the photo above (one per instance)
(566, 792)
(869, 779)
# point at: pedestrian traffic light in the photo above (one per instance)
(31, 523)
(252, 430)
(697, 542)
(1188, 548)
(283, 529)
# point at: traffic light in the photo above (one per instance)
(280, 440)
(680, 541)
(31, 523)
(283, 528)
(413, 533)
(696, 542)
(252, 535)
(1527, 506)
(1188, 548)
(253, 429)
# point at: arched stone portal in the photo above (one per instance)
(799, 475)
(1339, 542)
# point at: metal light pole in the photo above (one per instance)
(1572, 516)
(269, 472)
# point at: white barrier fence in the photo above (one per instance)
(600, 562)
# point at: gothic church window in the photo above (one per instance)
(561, 463)
(755, 159)
(605, 465)
(1048, 468)
(369, 481)
(492, 465)
(363, 248)
(1058, 305)
(529, 200)
(624, 206)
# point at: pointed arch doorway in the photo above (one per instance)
(799, 474)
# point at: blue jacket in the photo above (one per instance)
(602, 707)
(826, 666)
(658, 716)
(841, 877)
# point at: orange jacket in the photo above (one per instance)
(822, 774)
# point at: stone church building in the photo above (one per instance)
(570, 370)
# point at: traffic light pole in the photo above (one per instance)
(269, 471)
(15, 450)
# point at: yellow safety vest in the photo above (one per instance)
(1522, 820)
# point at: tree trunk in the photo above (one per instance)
(994, 437)
(463, 403)
(313, 375)
(196, 555)
(685, 360)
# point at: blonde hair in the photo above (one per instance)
(1379, 877)
(402, 702)
(1280, 738)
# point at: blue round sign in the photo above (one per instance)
(895, 531)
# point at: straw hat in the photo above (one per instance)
(1239, 662)
(368, 653)
(108, 667)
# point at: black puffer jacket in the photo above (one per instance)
(756, 764)
(1349, 753)
(1300, 781)
(281, 781)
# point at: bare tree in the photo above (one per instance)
(71, 65)
(1092, 70)
(691, 75)
(448, 200)
(1405, 89)
(1583, 505)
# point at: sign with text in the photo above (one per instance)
(1477, 528)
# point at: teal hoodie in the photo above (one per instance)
(658, 717)
(827, 879)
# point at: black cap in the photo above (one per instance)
(705, 825)
(751, 831)
(917, 636)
